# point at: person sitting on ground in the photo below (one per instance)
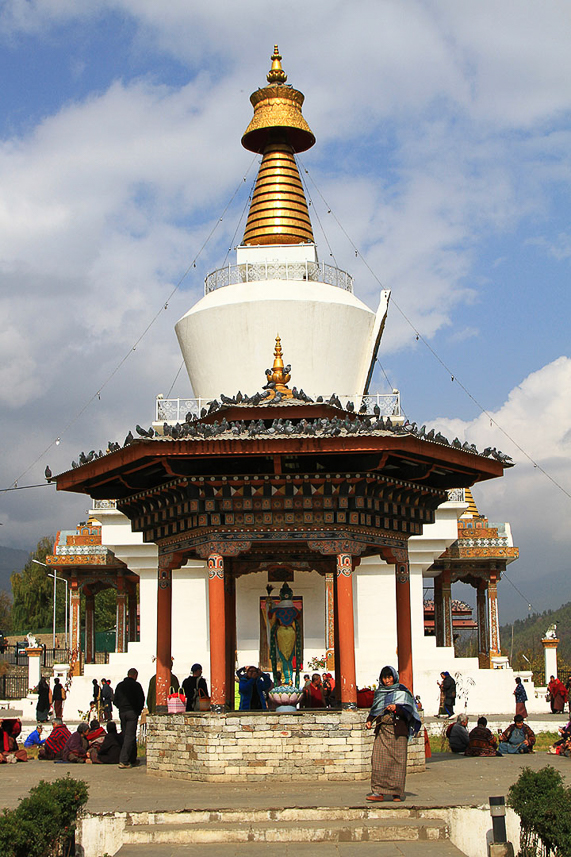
(75, 749)
(314, 694)
(517, 738)
(194, 687)
(562, 747)
(107, 753)
(55, 742)
(9, 750)
(253, 685)
(457, 734)
(95, 738)
(482, 742)
(35, 739)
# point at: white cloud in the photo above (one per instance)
(537, 417)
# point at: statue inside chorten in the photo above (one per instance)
(284, 636)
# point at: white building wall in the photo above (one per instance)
(488, 691)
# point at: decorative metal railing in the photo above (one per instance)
(250, 272)
(175, 410)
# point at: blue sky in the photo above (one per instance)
(443, 149)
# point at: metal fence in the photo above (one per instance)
(16, 656)
(252, 272)
(176, 410)
(13, 686)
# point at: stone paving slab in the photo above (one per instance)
(297, 849)
(449, 780)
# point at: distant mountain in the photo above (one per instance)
(528, 633)
(11, 560)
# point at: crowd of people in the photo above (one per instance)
(393, 716)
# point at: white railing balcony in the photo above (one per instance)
(175, 410)
(250, 272)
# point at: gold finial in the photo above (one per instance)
(472, 510)
(278, 213)
(278, 376)
(276, 74)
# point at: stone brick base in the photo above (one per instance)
(251, 746)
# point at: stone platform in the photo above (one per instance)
(255, 746)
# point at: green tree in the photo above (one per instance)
(5, 612)
(32, 590)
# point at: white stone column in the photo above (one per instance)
(550, 654)
(34, 666)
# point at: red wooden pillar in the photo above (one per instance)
(164, 632)
(217, 627)
(330, 620)
(75, 601)
(447, 608)
(121, 625)
(494, 646)
(483, 637)
(346, 667)
(89, 626)
(132, 608)
(404, 625)
(438, 611)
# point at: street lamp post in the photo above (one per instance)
(56, 578)
(37, 561)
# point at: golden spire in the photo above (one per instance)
(278, 376)
(472, 508)
(278, 213)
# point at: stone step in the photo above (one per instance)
(280, 814)
(319, 830)
(296, 849)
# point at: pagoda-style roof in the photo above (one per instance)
(81, 551)
(291, 447)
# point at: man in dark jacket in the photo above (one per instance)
(194, 687)
(130, 700)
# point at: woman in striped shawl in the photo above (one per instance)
(394, 711)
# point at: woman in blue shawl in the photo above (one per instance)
(397, 720)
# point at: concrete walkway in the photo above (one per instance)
(448, 781)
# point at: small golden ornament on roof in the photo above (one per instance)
(278, 376)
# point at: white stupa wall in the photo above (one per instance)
(228, 338)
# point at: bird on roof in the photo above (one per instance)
(74, 464)
(82, 458)
(350, 407)
(376, 410)
(142, 432)
(363, 408)
(277, 398)
(226, 400)
(48, 473)
(238, 397)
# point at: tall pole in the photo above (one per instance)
(54, 627)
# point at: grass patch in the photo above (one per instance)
(438, 744)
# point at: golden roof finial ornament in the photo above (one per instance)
(276, 74)
(278, 213)
(278, 376)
